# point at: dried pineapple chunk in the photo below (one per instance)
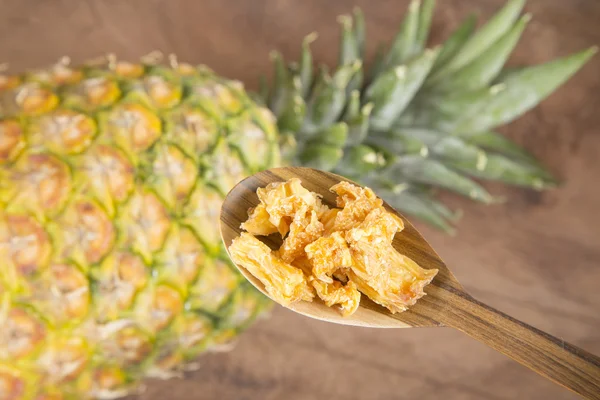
(356, 203)
(305, 229)
(327, 255)
(328, 220)
(335, 253)
(284, 283)
(258, 222)
(384, 275)
(347, 296)
(282, 200)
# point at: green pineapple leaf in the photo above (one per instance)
(454, 44)
(360, 31)
(280, 84)
(422, 206)
(425, 170)
(522, 91)
(404, 42)
(496, 142)
(305, 71)
(360, 160)
(497, 26)
(482, 70)
(394, 90)
(328, 99)
(425, 17)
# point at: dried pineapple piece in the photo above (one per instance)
(327, 255)
(328, 220)
(304, 230)
(347, 296)
(356, 203)
(284, 283)
(283, 200)
(258, 222)
(384, 275)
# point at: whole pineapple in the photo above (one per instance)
(111, 185)
(112, 176)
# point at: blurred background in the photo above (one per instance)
(535, 256)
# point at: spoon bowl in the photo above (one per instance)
(369, 314)
(446, 302)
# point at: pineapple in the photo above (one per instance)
(112, 176)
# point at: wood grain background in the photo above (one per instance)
(536, 256)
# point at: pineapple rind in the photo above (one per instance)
(112, 262)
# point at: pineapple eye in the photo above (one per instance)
(108, 382)
(194, 131)
(134, 127)
(100, 92)
(20, 334)
(64, 132)
(146, 224)
(70, 291)
(63, 75)
(110, 174)
(132, 345)
(128, 70)
(202, 213)
(12, 387)
(11, 140)
(118, 281)
(64, 360)
(34, 100)
(185, 69)
(9, 82)
(252, 144)
(27, 244)
(166, 362)
(181, 258)
(225, 168)
(216, 283)
(218, 97)
(194, 330)
(131, 270)
(40, 183)
(88, 233)
(166, 304)
(245, 305)
(163, 94)
(174, 174)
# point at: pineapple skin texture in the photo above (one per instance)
(111, 265)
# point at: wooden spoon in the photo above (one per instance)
(446, 302)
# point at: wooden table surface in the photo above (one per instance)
(535, 257)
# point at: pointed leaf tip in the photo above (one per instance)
(497, 26)
(310, 38)
(521, 91)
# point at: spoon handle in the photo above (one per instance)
(557, 360)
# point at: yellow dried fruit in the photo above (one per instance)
(384, 275)
(283, 200)
(356, 203)
(335, 253)
(258, 222)
(284, 283)
(304, 230)
(327, 255)
(347, 296)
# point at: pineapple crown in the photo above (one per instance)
(420, 118)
